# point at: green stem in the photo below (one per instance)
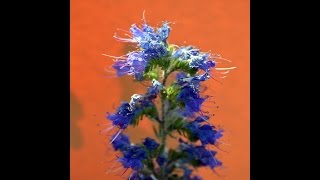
(162, 127)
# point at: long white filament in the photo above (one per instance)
(116, 135)
(222, 69)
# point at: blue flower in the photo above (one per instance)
(195, 58)
(164, 31)
(189, 94)
(133, 157)
(187, 174)
(161, 160)
(134, 64)
(199, 153)
(153, 45)
(202, 62)
(133, 163)
(147, 37)
(128, 111)
(201, 119)
(183, 78)
(185, 53)
(154, 90)
(180, 76)
(150, 144)
(205, 133)
(122, 117)
(121, 142)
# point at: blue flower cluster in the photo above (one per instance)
(200, 154)
(150, 144)
(133, 155)
(189, 94)
(152, 43)
(129, 111)
(121, 142)
(206, 133)
(195, 58)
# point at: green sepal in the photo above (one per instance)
(153, 74)
(150, 112)
(163, 63)
(183, 65)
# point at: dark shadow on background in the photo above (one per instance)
(76, 140)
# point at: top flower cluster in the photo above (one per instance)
(153, 45)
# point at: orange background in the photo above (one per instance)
(221, 26)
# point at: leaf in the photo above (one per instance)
(155, 131)
(163, 63)
(153, 74)
(183, 65)
(174, 155)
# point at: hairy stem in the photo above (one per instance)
(162, 127)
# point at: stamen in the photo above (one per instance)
(131, 174)
(125, 171)
(219, 69)
(110, 168)
(143, 17)
(119, 57)
(224, 72)
(109, 128)
(116, 135)
(119, 29)
(108, 70)
(124, 39)
(222, 58)
(116, 170)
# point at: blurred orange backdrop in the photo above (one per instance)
(221, 26)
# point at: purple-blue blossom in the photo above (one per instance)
(154, 90)
(161, 160)
(150, 144)
(128, 111)
(187, 174)
(153, 45)
(189, 94)
(202, 118)
(206, 133)
(134, 64)
(133, 157)
(122, 117)
(121, 142)
(199, 153)
(195, 58)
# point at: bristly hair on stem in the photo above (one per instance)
(181, 103)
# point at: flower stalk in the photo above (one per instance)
(181, 112)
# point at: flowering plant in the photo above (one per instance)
(179, 110)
